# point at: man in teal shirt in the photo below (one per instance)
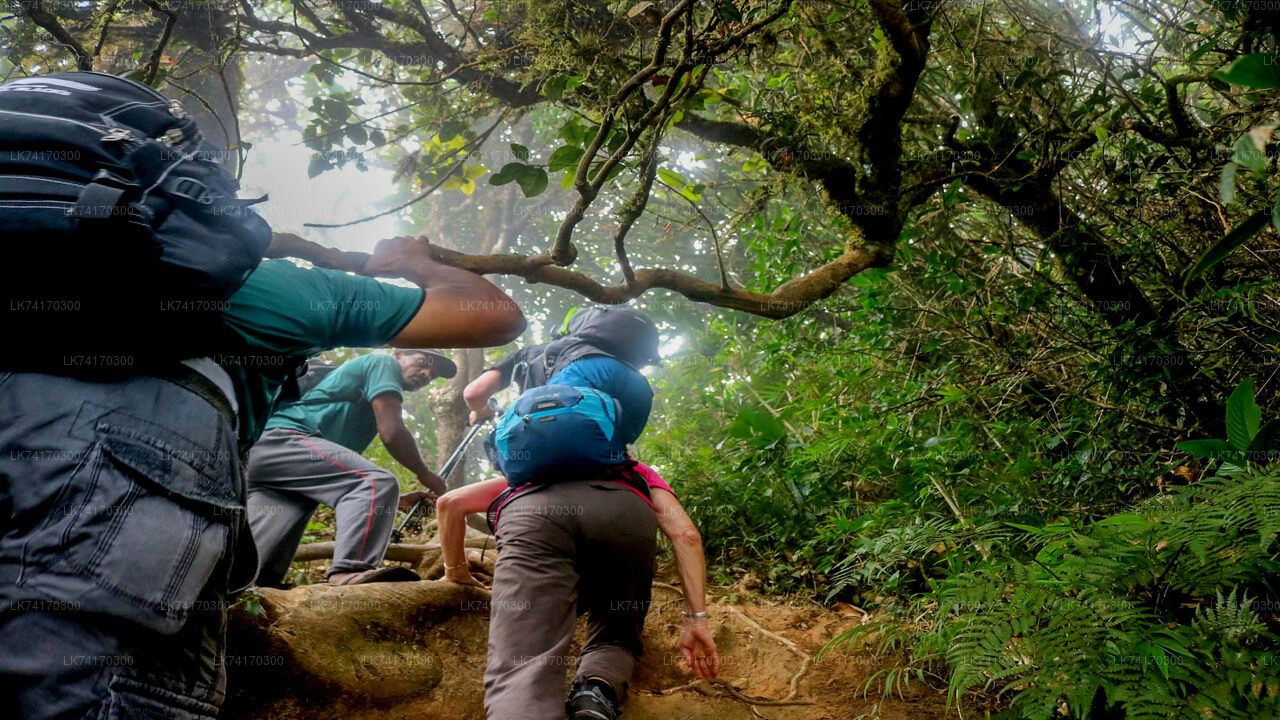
(310, 454)
(122, 502)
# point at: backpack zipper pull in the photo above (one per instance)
(171, 137)
(176, 110)
(115, 134)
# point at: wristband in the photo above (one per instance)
(699, 614)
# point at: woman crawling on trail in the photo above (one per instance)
(696, 643)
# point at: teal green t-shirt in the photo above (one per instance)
(338, 408)
(285, 310)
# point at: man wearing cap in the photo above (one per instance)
(310, 453)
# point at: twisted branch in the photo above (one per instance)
(788, 299)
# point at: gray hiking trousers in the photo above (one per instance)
(290, 473)
(573, 548)
(121, 529)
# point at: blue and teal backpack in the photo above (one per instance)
(550, 432)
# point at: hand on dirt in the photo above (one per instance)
(463, 576)
(699, 648)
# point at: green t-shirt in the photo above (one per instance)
(338, 408)
(285, 310)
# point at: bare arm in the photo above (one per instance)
(477, 393)
(400, 442)
(461, 309)
(452, 510)
(687, 543)
(696, 643)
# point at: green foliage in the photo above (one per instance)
(1256, 70)
(251, 600)
(1248, 442)
(532, 180)
(1143, 614)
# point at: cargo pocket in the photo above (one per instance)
(129, 699)
(146, 529)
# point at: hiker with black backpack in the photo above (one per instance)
(311, 453)
(576, 522)
(157, 343)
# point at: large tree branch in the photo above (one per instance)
(788, 299)
(37, 14)
(451, 62)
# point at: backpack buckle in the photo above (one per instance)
(189, 189)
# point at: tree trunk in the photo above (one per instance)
(451, 413)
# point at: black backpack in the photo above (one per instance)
(623, 332)
(122, 233)
(316, 372)
(615, 331)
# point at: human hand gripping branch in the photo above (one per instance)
(461, 309)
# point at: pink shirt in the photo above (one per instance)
(653, 478)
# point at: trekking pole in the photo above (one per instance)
(445, 471)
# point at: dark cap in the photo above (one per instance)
(441, 366)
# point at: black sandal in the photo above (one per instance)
(395, 573)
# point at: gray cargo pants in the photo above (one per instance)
(290, 473)
(573, 548)
(121, 508)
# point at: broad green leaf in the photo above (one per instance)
(555, 88)
(1211, 449)
(506, 174)
(532, 180)
(1266, 443)
(520, 152)
(565, 158)
(474, 172)
(672, 178)
(763, 423)
(1257, 70)
(1243, 416)
(1218, 252)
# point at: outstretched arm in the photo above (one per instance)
(696, 643)
(452, 510)
(400, 443)
(461, 309)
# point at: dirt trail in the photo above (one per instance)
(416, 650)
